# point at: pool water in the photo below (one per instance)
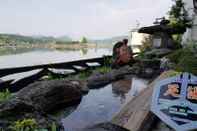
(100, 105)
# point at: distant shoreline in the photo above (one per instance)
(75, 46)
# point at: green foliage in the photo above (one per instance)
(104, 69)
(141, 55)
(51, 76)
(19, 39)
(24, 125)
(146, 44)
(5, 95)
(53, 127)
(177, 40)
(30, 125)
(84, 51)
(173, 73)
(176, 56)
(188, 64)
(185, 60)
(179, 15)
(107, 61)
(84, 74)
(84, 40)
(106, 65)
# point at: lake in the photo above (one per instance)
(28, 57)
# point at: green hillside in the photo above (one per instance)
(19, 39)
(10, 39)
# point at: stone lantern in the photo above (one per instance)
(161, 33)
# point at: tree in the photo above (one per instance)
(84, 40)
(146, 43)
(179, 16)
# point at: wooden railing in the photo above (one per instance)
(45, 69)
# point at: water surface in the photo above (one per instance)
(47, 56)
(101, 104)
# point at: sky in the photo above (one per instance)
(95, 19)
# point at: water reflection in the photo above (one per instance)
(12, 50)
(120, 88)
(100, 105)
(84, 51)
(47, 56)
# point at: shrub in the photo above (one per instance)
(30, 125)
(51, 76)
(5, 95)
(173, 73)
(24, 125)
(107, 61)
(104, 69)
(53, 127)
(185, 60)
(188, 63)
(84, 74)
(146, 44)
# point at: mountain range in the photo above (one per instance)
(17, 39)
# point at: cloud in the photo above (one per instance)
(113, 20)
(92, 18)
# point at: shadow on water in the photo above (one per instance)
(100, 105)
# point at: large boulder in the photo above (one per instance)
(39, 99)
(144, 68)
(48, 95)
(97, 80)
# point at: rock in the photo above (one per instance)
(144, 69)
(148, 63)
(39, 99)
(97, 80)
(105, 127)
(148, 68)
(16, 109)
(83, 85)
(48, 95)
(158, 53)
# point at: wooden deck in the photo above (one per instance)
(136, 115)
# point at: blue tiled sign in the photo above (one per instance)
(174, 101)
